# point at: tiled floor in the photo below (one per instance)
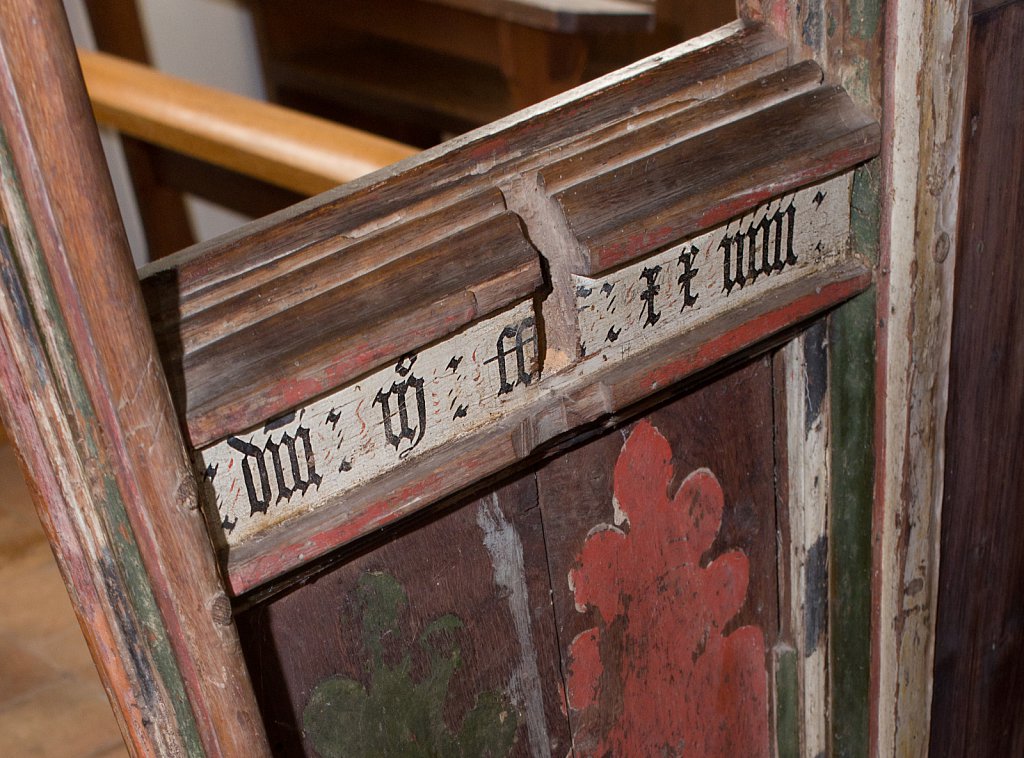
(51, 701)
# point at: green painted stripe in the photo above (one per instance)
(787, 705)
(127, 584)
(852, 338)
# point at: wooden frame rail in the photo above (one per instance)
(111, 434)
(282, 147)
(614, 177)
(88, 407)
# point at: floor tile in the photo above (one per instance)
(22, 671)
(63, 720)
(51, 699)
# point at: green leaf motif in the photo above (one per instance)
(395, 716)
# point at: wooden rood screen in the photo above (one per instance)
(491, 446)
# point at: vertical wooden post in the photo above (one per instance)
(846, 38)
(919, 51)
(923, 123)
(805, 384)
(86, 403)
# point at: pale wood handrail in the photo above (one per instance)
(280, 146)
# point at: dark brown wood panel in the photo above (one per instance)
(438, 642)
(709, 71)
(240, 361)
(662, 548)
(624, 213)
(690, 119)
(978, 702)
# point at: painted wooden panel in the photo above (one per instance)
(426, 399)
(438, 642)
(726, 268)
(662, 550)
(490, 372)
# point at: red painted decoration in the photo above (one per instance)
(657, 676)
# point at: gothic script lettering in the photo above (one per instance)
(395, 402)
(761, 245)
(288, 468)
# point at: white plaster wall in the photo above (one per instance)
(206, 41)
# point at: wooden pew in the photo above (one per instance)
(281, 147)
(559, 437)
(365, 395)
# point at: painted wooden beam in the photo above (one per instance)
(926, 54)
(309, 391)
(88, 408)
(583, 396)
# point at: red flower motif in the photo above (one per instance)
(656, 676)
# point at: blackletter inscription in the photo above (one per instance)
(687, 256)
(650, 275)
(695, 279)
(398, 394)
(761, 245)
(288, 468)
(513, 340)
(363, 430)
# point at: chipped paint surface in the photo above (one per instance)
(524, 687)
(333, 445)
(396, 714)
(657, 675)
(694, 281)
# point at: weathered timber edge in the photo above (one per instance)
(90, 414)
(572, 400)
(433, 194)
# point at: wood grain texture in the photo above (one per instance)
(682, 121)
(329, 449)
(239, 357)
(699, 69)
(490, 370)
(925, 54)
(978, 701)
(435, 198)
(401, 198)
(581, 396)
(615, 583)
(846, 39)
(804, 406)
(248, 359)
(469, 623)
(628, 212)
(85, 399)
(283, 147)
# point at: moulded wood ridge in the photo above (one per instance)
(694, 71)
(384, 334)
(229, 303)
(632, 210)
(586, 394)
(228, 314)
(736, 103)
(339, 318)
